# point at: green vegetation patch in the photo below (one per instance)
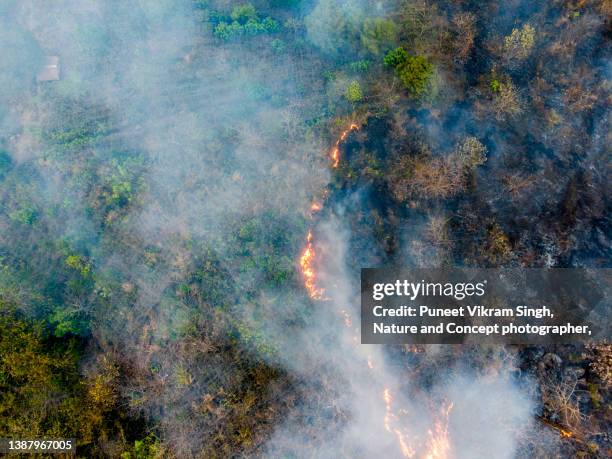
(243, 21)
(415, 72)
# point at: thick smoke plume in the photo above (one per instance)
(203, 155)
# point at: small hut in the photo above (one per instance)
(51, 69)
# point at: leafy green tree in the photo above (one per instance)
(270, 25)
(246, 23)
(353, 92)
(395, 57)
(377, 34)
(147, 448)
(26, 215)
(244, 13)
(41, 391)
(226, 31)
(416, 74)
(359, 66)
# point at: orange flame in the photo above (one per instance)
(335, 153)
(565, 433)
(315, 207)
(310, 277)
(407, 450)
(438, 443)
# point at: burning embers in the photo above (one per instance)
(335, 153)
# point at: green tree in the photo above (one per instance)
(353, 92)
(244, 13)
(226, 31)
(147, 448)
(377, 34)
(41, 391)
(359, 66)
(416, 74)
(395, 57)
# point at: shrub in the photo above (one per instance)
(437, 178)
(433, 178)
(41, 389)
(601, 362)
(78, 263)
(147, 448)
(253, 27)
(225, 31)
(495, 85)
(497, 248)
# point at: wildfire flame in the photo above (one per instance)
(438, 443)
(407, 450)
(335, 153)
(315, 207)
(310, 276)
(563, 432)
